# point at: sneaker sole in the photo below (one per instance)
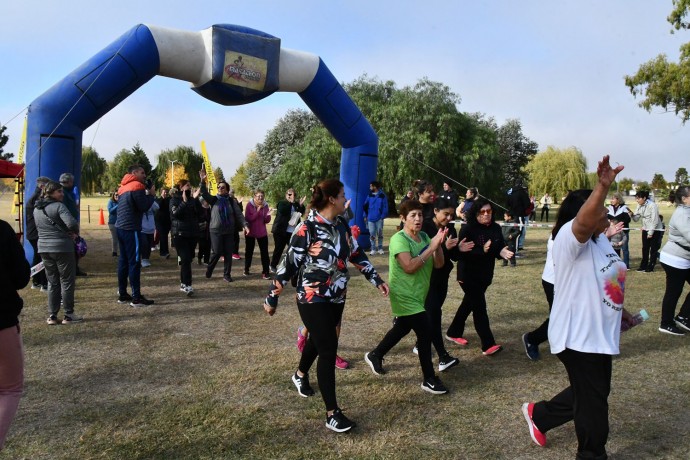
(448, 366)
(298, 390)
(524, 344)
(682, 326)
(661, 329)
(432, 391)
(530, 423)
(451, 339)
(339, 430)
(368, 361)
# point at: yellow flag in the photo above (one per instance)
(20, 160)
(212, 185)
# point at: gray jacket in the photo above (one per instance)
(679, 233)
(649, 213)
(54, 238)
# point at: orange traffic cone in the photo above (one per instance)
(101, 219)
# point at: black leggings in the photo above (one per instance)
(321, 319)
(473, 302)
(541, 334)
(185, 251)
(280, 240)
(402, 325)
(433, 306)
(263, 249)
(675, 280)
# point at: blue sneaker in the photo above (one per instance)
(531, 350)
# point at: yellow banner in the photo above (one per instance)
(20, 160)
(212, 184)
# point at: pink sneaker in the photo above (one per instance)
(301, 339)
(492, 350)
(340, 363)
(458, 340)
(538, 437)
(236, 257)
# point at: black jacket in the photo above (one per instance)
(30, 224)
(284, 210)
(476, 266)
(184, 216)
(15, 275)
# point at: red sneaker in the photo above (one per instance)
(492, 350)
(458, 340)
(236, 257)
(538, 437)
(301, 339)
(340, 363)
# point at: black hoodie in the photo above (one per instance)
(15, 275)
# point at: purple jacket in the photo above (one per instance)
(257, 219)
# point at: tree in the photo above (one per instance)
(3, 140)
(218, 174)
(625, 185)
(659, 183)
(662, 83)
(239, 180)
(190, 160)
(93, 167)
(682, 177)
(516, 151)
(555, 171)
(644, 186)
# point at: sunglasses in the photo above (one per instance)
(485, 212)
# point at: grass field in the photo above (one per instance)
(209, 377)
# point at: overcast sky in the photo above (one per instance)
(557, 66)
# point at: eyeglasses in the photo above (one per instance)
(289, 194)
(485, 212)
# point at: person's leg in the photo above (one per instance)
(523, 233)
(321, 320)
(146, 243)
(481, 318)
(39, 278)
(541, 334)
(457, 326)
(134, 262)
(113, 238)
(379, 233)
(675, 281)
(67, 267)
(626, 250)
(11, 377)
(227, 244)
(399, 330)
(216, 252)
(543, 211)
(646, 244)
(53, 277)
(250, 242)
(654, 246)
(185, 249)
(371, 226)
(164, 249)
(433, 305)
(422, 328)
(280, 240)
(122, 262)
(236, 249)
(265, 258)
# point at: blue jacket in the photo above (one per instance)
(133, 203)
(376, 206)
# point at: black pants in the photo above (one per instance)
(434, 308)
(321, 319)
(163, 233)
(236, 249)
(280, 240)
(40, 277)
(675, 280)
(473, 302)
(650, 249)
(222, 246)
(185, 251)
(402, 325)
(146, 243)
(585, 402)
(263, 249)
(545, 210)
(204, 249)
(541, 334)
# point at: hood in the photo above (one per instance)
(130, 183)
(43, 202)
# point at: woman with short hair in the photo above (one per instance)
(184, 212)
(284, 225)
(257, 213)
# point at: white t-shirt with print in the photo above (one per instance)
(588, 295)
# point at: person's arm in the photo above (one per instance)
(653, 220)
(20, 271)
(411, 265)
(589, 216)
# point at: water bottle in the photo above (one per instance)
(638, 318)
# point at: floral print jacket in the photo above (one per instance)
(318, 254)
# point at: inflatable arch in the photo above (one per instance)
(228, 64)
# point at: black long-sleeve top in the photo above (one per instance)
(477, 266)
(15, 275)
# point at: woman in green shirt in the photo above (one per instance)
(412, 257)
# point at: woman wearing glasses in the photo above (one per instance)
(476, 272)
(224, 213)
(283, 225)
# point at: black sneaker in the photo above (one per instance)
(338, 422)
(209, 273)
(227, 278)
(302, 383)
(641, 269)
(531, 350)
(434, 386)
(375, 363)
(671, 329)
(446, 362)
(683, 323)
(124, 298)
(141, 302)
(246, 273)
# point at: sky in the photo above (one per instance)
(557, 66)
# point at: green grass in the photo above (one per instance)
(209, 377)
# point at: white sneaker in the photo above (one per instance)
(189, 291)
(372, 253)
(145, 263)
(381, 252)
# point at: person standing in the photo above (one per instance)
(618, 210)
(470, 195)
(519, 203)
(225, 217)
(675, 260)
(184, 215)
(545, 202)
(112, 219)
(257, 214)
(451, 195)
(57, 229)
(163, 223)
(586, 320)
(12, 354)
(135, 199)
(40, 281)
(424, 192)
(375, 211)
(413, 256)
(475, 274)
(320, 248)
(652, 230)
(71, 201)
(284, 224)
(148, 229)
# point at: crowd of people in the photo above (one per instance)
(314, 245)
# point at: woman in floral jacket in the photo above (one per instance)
(319, 251)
